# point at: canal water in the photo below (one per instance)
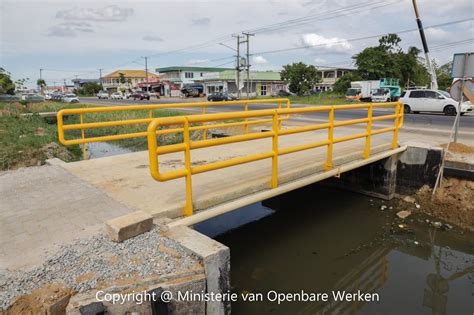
(320, 240)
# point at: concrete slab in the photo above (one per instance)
(44, 207)
(126, 178)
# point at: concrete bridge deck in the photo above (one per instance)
(43, 207)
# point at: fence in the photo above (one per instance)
(275, 133)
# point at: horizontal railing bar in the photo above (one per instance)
(303, 129)
(86, 110)
(350, 137)
(230, 162)
(232, 139)
(303, 147)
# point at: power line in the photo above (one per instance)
(360, 38)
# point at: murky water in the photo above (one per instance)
(320, 240)
(97, 150)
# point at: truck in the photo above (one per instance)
(383, 90)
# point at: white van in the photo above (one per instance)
(423, 100)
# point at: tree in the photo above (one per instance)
(344, 82)
(443, 74)
(6, 84)
(300, 77)
(90, 88)
(389, 60)
(42, 84)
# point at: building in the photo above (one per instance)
(329, 76)
(173, 79)
(262, 83)
(129, 80)
(79, 83)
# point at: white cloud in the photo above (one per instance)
(152, 38)
(201, 21)
(193, 62)
(319, 60)
(259, 60)
(333, 44)
(110, 13)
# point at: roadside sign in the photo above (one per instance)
(456, 89)
(463, 65)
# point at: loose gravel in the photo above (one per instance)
(84, 263)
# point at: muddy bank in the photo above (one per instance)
(453, 202)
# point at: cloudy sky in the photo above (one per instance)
(75, 38)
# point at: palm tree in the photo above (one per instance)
(42, 84)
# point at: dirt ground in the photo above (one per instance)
(453, 202)
(51, 299)
(459, 148)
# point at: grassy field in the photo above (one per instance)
(30, 140)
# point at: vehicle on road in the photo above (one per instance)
(140, 96)
(117, 96)
(218, 97)
(284, 93)
(386, 90)
(47, 97)
(70, 98)
(435, 101)
(193, 90)
(103, 95)
(31, 97)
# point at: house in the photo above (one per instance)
(129, 79)
(261, 83)
(329, 76)
(173, 79)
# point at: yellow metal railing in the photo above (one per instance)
(84, 112)
(275, 133)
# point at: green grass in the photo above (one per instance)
(324, 98)
(23, 138)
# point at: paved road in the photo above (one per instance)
(430, 121)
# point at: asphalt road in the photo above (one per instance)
(422, 120)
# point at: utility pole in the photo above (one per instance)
(237, 67)
(248, 61)
(434, 82)
(100, 76)
(146, 72)
(64, 85)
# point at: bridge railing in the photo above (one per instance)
(187, 146)
(146, 116)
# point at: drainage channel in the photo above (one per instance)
(320, 240)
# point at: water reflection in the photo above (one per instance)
(320, 240)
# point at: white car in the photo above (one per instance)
(117, 96)
(70, 98)
(435, 101)
(103, 95)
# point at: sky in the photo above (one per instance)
(70, 39)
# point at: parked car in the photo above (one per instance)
(31, 97)
(140, 96)
(117, 96)
(284, 93)
(70, 98)
(47, 97)
(424, 100)
(103, 95)
(218, 97)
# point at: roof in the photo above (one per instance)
(130, 74)
(196, 69)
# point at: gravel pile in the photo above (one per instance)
(84, 263)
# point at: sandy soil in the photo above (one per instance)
(459, 148)
(453, 202)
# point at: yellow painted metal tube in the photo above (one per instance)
(382, 130)
(330, 141)
(232, 139)
(303, 129)
(350, 137)
(231, 162)
(171, 148)
(275, 128)
(369, 133)
(188, 208)
(303, 147)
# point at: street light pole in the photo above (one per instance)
(146, 72)
(248, 61)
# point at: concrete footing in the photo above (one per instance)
(403, 173)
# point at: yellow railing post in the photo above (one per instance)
(188, 208)
(246, 126)
(369, 132)
(150, 114)
(395, 131)
(275, 150)
(84, 144)
(204, 131)
(328, 164)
